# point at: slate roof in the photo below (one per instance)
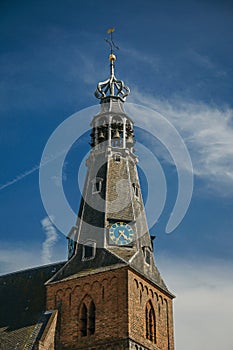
(22, 296)
(106, 258)
(22, 310)
(77, 267)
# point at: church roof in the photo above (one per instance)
(76, 266)
(22, 317)
(106, 259)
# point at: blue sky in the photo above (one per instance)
(176, 56)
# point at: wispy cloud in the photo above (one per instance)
(14, 258)
(20, 255)
(51, 239)
(203, 295)
(142, 57)
(208, 133)
(202, 60)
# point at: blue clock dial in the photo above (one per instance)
(121, 233)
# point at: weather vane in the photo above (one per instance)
(110, 40)
(112, 86)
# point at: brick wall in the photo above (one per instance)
(140, 293)
(47, 341)
(120, 297)
(108, 290)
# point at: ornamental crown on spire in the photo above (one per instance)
(112, 86)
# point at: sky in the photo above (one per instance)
(176, 57)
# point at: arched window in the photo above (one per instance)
(91, 325)
(87, 317)
(83, 319)
(150, 322)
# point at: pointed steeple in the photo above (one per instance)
(110, 293)
(111, 228)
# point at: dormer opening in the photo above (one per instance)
(97, 185)
(89, 250)
(135, 189)
(147, 255)
(117, 157)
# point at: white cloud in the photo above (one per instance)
(14, 258)
(152, 61)
(203, 306)
(207, 132)
(51, 239)
(19, 256)
(201, 59)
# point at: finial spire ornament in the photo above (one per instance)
(112, 86)
(110, 41)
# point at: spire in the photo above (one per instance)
(112, 87)
(111, 230)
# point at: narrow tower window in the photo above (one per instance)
(83, 320)
(150, 323)
(147, 254)
(87, 317)
(91, 326)
(97, 185)
(89, 249)
(117, 157)
(136, 189)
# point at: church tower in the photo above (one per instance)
(110, 295)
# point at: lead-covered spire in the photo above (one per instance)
(112, 86)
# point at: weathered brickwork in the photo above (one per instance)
(108, 290)
(140, 292)
(113, 298)
(120, 297)
(119, 190)
(47, 341)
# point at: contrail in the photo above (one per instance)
(20, 177)
(29, 172)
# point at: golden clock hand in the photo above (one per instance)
(123, 235)
(117, 239)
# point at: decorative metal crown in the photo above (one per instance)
(112, 86)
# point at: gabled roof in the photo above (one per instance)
(110, 258)
(22, 296)
(77, 266)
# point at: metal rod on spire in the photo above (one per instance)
(112, 87)
(112, 58)
(110, 40)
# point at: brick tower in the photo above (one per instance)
(110, 295)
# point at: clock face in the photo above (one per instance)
(121, 233)
(71, 247)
